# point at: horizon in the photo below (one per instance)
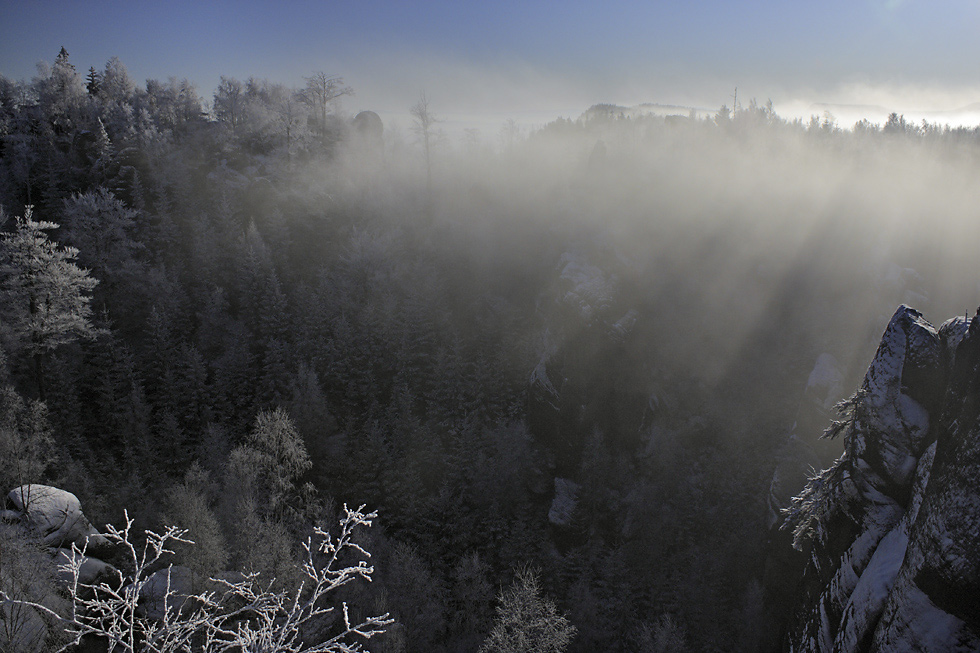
(481, 66)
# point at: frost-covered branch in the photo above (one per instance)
(244, 615)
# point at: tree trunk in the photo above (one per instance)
(39, 375)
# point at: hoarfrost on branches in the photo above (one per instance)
(241, 615)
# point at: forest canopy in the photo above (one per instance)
(562, 364)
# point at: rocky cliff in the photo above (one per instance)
(881, 551)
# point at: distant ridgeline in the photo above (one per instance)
(881, 552)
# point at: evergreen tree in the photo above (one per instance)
(46, 296)
(93, 80)
(100, 226)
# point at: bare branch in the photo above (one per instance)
(241, 615)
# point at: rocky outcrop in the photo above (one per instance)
(51, 514)
(42, 534)
(881, 551)
(588, 324)
(367, 134)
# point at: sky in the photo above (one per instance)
(529, 60)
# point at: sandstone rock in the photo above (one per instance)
(54, 515)
(884, 553)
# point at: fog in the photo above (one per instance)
(581, 345)
(740, 222)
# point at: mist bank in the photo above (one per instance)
(584, 348)
(740, 217)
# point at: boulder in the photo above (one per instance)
(90, 570)
(167, 590)
(54, 515)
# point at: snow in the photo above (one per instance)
(56, 515)
(563, 505)
(886, 368)
(914, 623)
(880, 484)
(951, 333)
(872, 589)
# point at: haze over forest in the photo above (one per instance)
(579, 363)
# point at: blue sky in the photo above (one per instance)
(509, 58)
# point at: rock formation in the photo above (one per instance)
(40, 525)
(881, 551)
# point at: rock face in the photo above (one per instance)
(368, 132)
(881, 551)
(38, 527)
(588, 325)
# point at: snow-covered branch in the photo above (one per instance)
(245, 615)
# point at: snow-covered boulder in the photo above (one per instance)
(90, 570)
(167, 591)
(54, 515)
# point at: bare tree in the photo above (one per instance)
(287, 112)
(26, 576)
(321, 90)
(424, 128)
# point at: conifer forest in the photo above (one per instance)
(572, 376)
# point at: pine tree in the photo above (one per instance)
(93, 80)
(46, 296)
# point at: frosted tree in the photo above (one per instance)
(188, 503)
(45, 295)
(60, 92)
(99, 225)
(261, 493)
(276, 453)
(287, 111)
(116, 85)
(27, 445)
(26, 579)
(229, 102)
(527, 621)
